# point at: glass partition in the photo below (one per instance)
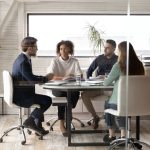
(130, 30)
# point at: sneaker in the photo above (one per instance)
(96, 120)
(107, 139)
(138, 145)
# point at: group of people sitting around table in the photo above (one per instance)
(65, 65)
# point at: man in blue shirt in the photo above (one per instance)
(24, 86)
(102, 64)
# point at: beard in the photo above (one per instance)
(33, 54)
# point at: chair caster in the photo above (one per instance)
(82, 125)
(37, 134)
(89, 123)
(51, 128)
(18, 128)
(23, 142)
(5, 134)
(47, 123)
(73, 129)
(1, 140)
(41, 137)
(29, 132)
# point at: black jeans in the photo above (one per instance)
(114, 121)
(74, 99)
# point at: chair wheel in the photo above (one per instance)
(73, 129)
(89, 123)
(1, 140)
(29, 132)
(37, 134)
(5, 134)
(23, 142)
(51, 128)
(41, 137)
(18, 128)
(82, 125)
(47, 123)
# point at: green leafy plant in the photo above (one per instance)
(95, 38)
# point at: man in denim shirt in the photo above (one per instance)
(102, 64)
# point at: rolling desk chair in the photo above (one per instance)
(133, 100)
(61, 101)
(8, 98)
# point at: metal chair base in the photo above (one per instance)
(56, 120)
(131, 143)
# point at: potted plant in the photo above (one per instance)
(95, 38)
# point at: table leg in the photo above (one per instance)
(138, 127)
(69, 114)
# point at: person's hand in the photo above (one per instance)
(67, 77)
(50, 76)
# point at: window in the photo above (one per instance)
(50, 29)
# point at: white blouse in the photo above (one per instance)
(60, 67)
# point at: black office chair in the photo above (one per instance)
(8, 98)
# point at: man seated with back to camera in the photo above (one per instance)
(102, 64)
(24, 95)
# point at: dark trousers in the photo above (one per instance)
(26, 101)
(74, 96)
(114, 121)
(44, 102)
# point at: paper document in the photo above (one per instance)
(56, 82)
(94, 81)
(100, 77)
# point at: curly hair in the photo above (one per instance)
(68, 44)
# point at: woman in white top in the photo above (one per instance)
(65, 66)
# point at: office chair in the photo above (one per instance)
(61, 101)
(8, 98)
(133, 100)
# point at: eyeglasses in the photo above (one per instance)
(34, 47)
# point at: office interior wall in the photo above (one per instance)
(14, 29)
